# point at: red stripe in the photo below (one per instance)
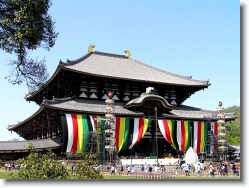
(95, 121)
(183, 135)
(140, 129)
(167, 131)
(215, 128)
(75, 132)
(117, 131)
(198, 137)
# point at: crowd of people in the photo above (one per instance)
(131, 169)
(197, 169)
(12, 166)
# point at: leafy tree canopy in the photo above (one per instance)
(45, 166)
(26, 25)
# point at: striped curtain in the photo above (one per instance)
(122, 130)
(183, 135)
(200, 136)
(130, 131)
(167, 128)
(75, 129)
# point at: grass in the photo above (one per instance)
(107, 176)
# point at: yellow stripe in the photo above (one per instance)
(121, 133)
(186, 135)
(146, 121)
(202, 137)
(80, 134)
(170, 129)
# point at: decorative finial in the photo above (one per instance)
(127, 53)
(90, 48)
(220, 103)
(110, 94)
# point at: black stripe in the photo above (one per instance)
(130, 134)
(64, 133)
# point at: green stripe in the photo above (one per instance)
(126, 133)
(205, 136)
(175, 144)
(85, 132)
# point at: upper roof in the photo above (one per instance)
(122, 67)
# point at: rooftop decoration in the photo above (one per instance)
(90, 48)
(127, 53)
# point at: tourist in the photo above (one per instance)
(121, 170)
(112, 170)
(145, 168)
(211, 170)
(133, 168)
(177, 171)
(186, 168)
(142, 168)
(198, 169)
(128, 170)
(234, 170)
(150, 169)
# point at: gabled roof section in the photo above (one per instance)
(148, 96)
(122, 67)
(20, 146)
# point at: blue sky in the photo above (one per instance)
(186, 37)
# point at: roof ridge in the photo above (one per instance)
(71, 62)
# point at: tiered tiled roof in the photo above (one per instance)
(21, 146)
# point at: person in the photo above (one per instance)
(211, 170)
(150, 169)
(121, 170)
(128, 170)
(133, 169)
(177, 169)
(222, 170)
(193, 169)
(198, 169)
(112, 170)
(145, 168)
(142, 168)
(234, 170)
(186, 168)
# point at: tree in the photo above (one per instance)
(25, 25)
(46, 166)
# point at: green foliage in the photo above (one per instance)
(86, 168)
(233, 127)
(45, 166)
(26, 25)
(20, 161)
(1, 163)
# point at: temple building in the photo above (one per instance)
(145, 109)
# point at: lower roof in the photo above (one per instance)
(21, 146)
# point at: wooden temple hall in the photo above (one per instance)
(148, 112)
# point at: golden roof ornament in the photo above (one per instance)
(127, 53)
(90, 48)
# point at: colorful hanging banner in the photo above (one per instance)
(140, 127)
(200, 135)
(122, 130)
(167, 129)
(183, 135)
